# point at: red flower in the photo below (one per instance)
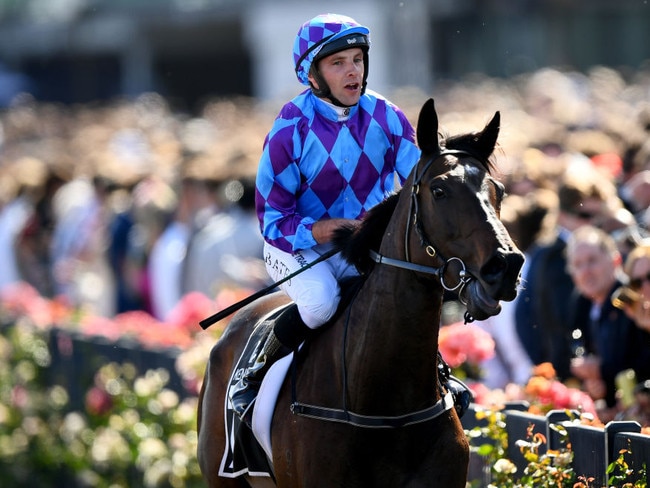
(460, 343)
(190, 310)
(98, 401)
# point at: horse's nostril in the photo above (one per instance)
(494, 268)
(498, 265)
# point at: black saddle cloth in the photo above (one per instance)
(243, 454)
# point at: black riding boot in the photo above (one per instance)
(462, 395)
(288, 333)
(460, 391)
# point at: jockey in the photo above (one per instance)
(333, 152)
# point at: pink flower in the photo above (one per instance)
(98, 401)
(19, 396)
(23, 299)
(560, 396)
(482, 394)
(460, 343)
(93, 325)
(190, 310)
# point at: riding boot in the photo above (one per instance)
(462, 395)
(292, 330)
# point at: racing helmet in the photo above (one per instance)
(327, 34)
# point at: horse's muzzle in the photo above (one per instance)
(501, 274)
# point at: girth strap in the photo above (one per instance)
(371, 421)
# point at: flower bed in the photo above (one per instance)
(87, 401)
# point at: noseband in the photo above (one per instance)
(464, 277)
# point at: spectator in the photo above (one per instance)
(165, 265)
(15, 209)
(34, 241)
(227, 250)
(81, 270)
(542, 312)
(637, 269)
(223, 236)
(605, 335)
(635, 190)
(154, 205)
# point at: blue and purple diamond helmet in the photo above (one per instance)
(326, 34)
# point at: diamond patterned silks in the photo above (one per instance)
(314, 167)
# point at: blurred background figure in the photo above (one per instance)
(225, 241)
(33, 244)
(81, 271)
(19, 184)
(542, 311)
(637, 304)
(604, 336)
(227, 250)
(134, 232)
(168, 252)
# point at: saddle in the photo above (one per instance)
(243, 453)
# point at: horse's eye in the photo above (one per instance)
(437, 192)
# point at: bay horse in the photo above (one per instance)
(375, 369)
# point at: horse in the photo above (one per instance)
(365, 405)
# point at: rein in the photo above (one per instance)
(371, 421)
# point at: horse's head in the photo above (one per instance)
(454, 216)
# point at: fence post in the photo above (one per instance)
(624, 429)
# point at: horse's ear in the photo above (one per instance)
(427, 131)
(488, 136)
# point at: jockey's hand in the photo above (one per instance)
(323, 230)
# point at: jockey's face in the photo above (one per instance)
(343, 73)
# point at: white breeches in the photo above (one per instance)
(316, 290)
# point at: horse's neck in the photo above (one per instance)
(392, 341)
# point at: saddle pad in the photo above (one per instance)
(242, 453)
(266, 400)
(246, 451)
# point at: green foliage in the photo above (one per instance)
(552, 468)
(133, 431)
(619, 473)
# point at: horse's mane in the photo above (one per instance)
(356, 242)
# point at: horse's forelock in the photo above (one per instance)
(469, 143)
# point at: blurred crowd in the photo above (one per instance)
(129, 205)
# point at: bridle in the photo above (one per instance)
(464, 277)
(446, 401)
